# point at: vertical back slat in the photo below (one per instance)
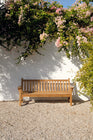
(49, 84)
(38, 85)
(34, 85)
(41, 86)
(66, 86)
(63, 85)
(24, 85)
(52, 86)
(46, 85)
(60, 85)
(55, 85)
(30, 85)
(27, 85)
(69, 84)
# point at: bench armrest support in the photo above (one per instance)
(20, 95)
(19, 88)
(71, 89)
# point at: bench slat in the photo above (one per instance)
(63, 85)
(46, 94)
(27, 85)
(40, 85)
(44, 85)
(60, 86)
(55, 86)
(52, 86)
(24, 85)
(49, 84)
(30, 86)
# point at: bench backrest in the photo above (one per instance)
(45, 85)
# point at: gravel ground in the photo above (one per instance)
(46, 121)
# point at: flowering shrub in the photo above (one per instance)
(75, 29)
(36, 21)
(29, 22)
(85, 77)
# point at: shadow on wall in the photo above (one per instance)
(50, 65)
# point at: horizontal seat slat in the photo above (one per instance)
(46, 92)
(45, 95)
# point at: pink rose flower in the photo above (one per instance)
(57, 43)
(65, 43)
(91, 19)
(88, 13)
(84, 39)
(53, 8)
(59, 11)
(43, 36)
(19, 20)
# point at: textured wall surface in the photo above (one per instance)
(50, 65)
(2, 1)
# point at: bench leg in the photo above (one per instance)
(20, 100)
(71, 100)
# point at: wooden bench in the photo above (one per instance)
(45, 88)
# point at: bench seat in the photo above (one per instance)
(46, 94)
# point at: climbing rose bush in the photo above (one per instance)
(35, 22)
(75, 29)
(27, 22)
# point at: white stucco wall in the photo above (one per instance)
(51, 65)
(2, 1)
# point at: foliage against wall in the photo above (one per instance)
(36, 21)
(85, 77)
(31, 22)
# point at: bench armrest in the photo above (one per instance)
(71, 87)
(19, 88)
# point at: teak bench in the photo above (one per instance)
(45, 88)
